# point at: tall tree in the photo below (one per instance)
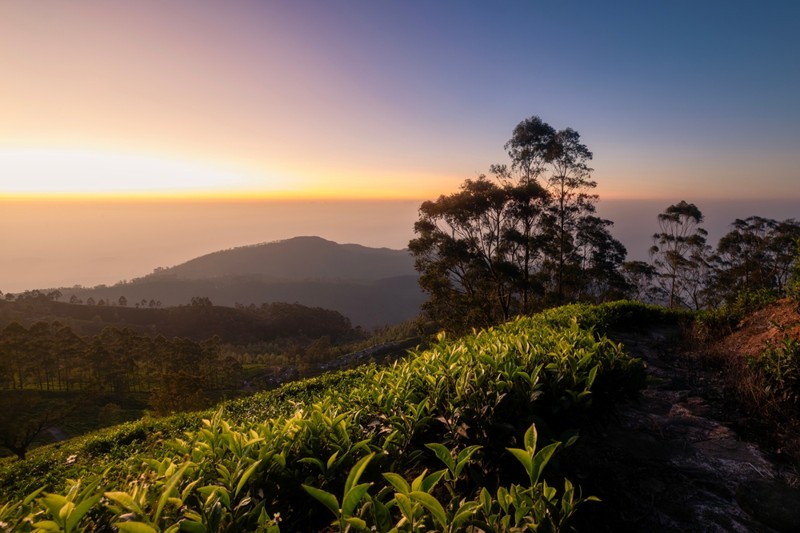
(560, 161)
(569, 184)
(510, 245)
(640, 282)
(756, 254)
(680, 254)
(598, 273)
(466, 263)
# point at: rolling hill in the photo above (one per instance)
(371, 286)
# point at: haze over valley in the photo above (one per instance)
(61, 244)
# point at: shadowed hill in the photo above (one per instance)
(373, 287)
(296, 259)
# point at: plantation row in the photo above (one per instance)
(457, 435)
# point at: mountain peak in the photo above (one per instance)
(296, 259)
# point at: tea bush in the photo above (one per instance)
(359, 450)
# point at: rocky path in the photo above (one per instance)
(674, 462)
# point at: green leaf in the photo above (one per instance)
(443, 454)
(30, 497)
(463, 458)
(397, 481)
(486, 501)
(592, 376)
(524, 457)
(530, 438)
(325, 498)
(188, 489)
(81, 509)
(193, 527)
(463, 514)
(503, 498)
(135, 527)
(432, 505)
(430, 481)
(331, 460)
(47, 525)
(541, 459)
(404, 504)
(356, 523)
(166, 492)
(383, 518)
(353, 497)
(126, 501)
(54, 503)
(356, 471)
(416, 483)
(313, 461)
(245, 477)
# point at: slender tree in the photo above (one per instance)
(680, 254)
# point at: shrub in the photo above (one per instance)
(793, 285)
(358, 444)
(778, 369)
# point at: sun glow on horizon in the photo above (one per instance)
(80, 174)
(32, 173)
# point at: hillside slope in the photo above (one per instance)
(373, 287)
(296, 259)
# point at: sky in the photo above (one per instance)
(213, 104)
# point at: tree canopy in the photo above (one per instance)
(519, 241)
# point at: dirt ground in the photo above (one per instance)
(684, 458)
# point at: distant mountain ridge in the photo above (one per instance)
(297, 259)
(371, 286)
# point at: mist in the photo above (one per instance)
(48, 244)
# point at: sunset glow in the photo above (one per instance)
(273, 99)
(79, 173)
(268, 103)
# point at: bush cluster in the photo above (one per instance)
(454, 436)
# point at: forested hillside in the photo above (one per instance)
(200, 320)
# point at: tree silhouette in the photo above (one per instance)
(24, 417)
(680, 254)
(526, 239)
(757, 254)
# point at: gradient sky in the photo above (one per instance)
(280, 114)
(401, 99)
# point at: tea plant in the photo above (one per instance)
(414, 446)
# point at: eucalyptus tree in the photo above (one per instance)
(467, 251)
(598, 274)
(756, 254)
(641, 282)
(680, 254)
(525, 239)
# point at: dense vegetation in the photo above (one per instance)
(429, 442)
(199, 321)
(65, 383)
(528, 238)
